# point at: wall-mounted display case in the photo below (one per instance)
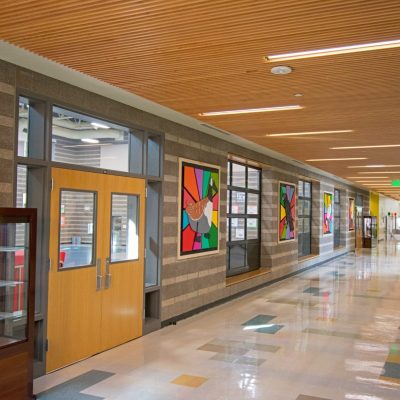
(369, 231)
(17, 294)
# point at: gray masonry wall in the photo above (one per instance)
(7, 129)
(191, 283)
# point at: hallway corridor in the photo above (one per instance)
(332, 332)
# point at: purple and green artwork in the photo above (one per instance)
(287, 211)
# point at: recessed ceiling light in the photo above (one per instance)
(251, 110)
(365, 147)
(281, 70)
(88, 140)
(374, 166)
(388, 44)
(98, 125)
(337, 159)
(309, 133)
(298, 95)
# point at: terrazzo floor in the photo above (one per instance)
(330, 333)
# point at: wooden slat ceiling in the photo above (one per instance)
(197, 56)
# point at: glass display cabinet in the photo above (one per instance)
(369, 231)
(17, 294)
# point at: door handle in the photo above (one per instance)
(107, 283)
(99, 277)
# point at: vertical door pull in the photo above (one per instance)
(108, 275)
(99, 277)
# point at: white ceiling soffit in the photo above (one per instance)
(41, 65)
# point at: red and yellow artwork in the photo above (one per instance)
(199, 208)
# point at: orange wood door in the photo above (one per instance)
(96, 275)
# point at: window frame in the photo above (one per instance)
(246, 243)
(336, 218)
(301, 215)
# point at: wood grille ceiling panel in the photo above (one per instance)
(197, 56)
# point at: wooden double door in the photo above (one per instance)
(96, 264)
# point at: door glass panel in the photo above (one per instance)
(237, 229)
(77, 228)
(252, 203)
(238, 175)
(237, 257)
(238, 202)
(252, 228)
(124, 227)
(253, 178)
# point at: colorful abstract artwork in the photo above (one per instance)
(199, 208)
(287, 211)
(351, 214)
(328, 213)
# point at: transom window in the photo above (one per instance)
(244, 215)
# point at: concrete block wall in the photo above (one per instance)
(7, 129)
(196, 282)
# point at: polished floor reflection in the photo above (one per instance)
(330, 333)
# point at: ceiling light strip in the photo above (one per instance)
(366, 177)
(331, 51)
(374, 166)
(382, 172)
(336, 159)
(308, 133)
(251, 110)
(378, 146)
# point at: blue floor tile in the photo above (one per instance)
(260, 319)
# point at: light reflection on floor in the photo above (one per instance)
(338, 329)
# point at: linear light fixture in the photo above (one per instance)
(337, 159)
(382, 172)
(332, 51)
(309, 133)
(251, 110)
(374, 166)
(366, 177)
(89, 140)
(378, 146)
(375, 182)
(98, 125)
(377, 185)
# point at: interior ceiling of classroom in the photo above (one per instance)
(198, 56)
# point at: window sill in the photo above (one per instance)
(233, 280)
(308, 257)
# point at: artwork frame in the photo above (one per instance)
(328, 216)
(190, 197)
(351, 214)
(285, 235)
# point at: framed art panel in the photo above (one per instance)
(287, 211)
(351, 214)
(198, 209)
(328, 213)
